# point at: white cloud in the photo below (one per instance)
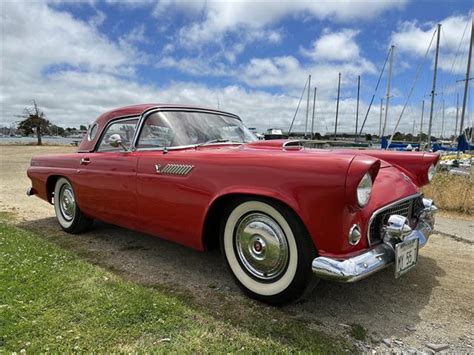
(76, 73)
(195, 66)
(413, 38)
(337, 46)
(288, 72)
(211, 20)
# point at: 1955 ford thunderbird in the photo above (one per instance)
(283, 215)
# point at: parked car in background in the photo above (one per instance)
(283, 215)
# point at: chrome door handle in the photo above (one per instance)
(85, 161)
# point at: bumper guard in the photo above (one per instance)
(380, 256)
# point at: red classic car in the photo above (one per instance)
(283, 215)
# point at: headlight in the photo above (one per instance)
(364, 189)
(431, 172)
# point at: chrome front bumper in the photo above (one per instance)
(380, 256)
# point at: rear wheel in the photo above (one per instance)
(68, 213)
(268, 250)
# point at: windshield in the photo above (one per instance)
(175, 128)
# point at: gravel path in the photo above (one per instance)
(459, 229)
(429, 308)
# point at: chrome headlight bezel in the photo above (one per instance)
(364, 190)
(431, 172)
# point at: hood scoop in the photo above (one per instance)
(276, 144)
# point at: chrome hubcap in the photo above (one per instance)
(261, 246)
(67, 203)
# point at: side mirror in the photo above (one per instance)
(116, 141)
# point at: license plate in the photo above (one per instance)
(406, 256)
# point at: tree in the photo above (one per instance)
(83, 128)
(398, 136)
(35, 122)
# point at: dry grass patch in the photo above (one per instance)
(452, 193)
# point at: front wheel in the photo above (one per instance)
(69, 216)
(268, 250)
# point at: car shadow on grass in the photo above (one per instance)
(381, 304)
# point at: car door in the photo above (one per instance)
(171, 196)
(106, 179)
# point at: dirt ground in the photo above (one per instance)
(431, 304)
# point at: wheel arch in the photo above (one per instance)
(50, 184)
(215, 211)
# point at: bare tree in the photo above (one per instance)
(35, 122)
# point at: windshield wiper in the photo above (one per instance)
(219, 140)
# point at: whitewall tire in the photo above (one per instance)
(267, 249)
(68, 213)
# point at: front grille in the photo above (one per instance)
(403, 208)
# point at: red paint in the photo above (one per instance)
(319, 185)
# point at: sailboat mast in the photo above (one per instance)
(457, 115)
(442, 122)
(381, 114)
(433, 91)
(421, 123)
(312, 119)
(337, 105)
(357, 110)
(307, 107)
(389, 82)
(466, 83)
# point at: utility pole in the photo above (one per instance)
(442, 122)
(421, 123)
(357, 111)
(381, 114)
(307, 107)
(457, 115)
(337, 105)
(312, 119)
(466, 83)
(389, 81)
(433, 91)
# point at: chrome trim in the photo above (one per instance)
(120, 119)
(89, 138)
(381, 209)
(354, 227)
(261, 246)
(30, 191)
(67, 202)
(153, 110)
(174, 169)
(287, 144)
(397, 227)
(375, 258)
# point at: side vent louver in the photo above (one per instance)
(177, 169)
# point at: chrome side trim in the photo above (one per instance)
(386, 207)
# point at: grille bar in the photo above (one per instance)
(402, 207)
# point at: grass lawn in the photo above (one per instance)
(51, 300)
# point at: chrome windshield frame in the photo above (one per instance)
(151, 111)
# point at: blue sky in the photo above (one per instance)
(78, 59)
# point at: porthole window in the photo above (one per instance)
(92, 132)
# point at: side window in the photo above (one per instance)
(92, 132)
(126, 129)
(155, 133)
